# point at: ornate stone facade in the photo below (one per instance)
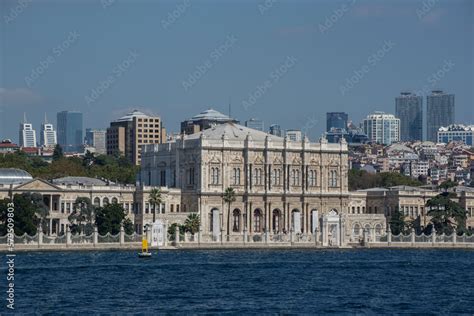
(280, 186)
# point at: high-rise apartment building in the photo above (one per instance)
(69, 125)
(96, 138)
(255, 124)
(456, 132)
(294, 135)
(336, 120)
(27, 135)
(439, 112)
(409, 109)
(382, 128)
(48, 134)
(127, 135)
(275, 129)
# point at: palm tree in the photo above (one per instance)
(155, 198)
(229, 197)
(192, 223)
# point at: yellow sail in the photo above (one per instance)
(144, 245)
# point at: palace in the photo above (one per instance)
(280, 185)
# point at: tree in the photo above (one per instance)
(29, 213)
(361, 179)
(155, 198)
(82, 216)
(109, 218)
(58, 152)
(229, 197)
(446, 215)
(447, 185)
(172, 230)
(398, 224)
(128, 226)
(192, 223)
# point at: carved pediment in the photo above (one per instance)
(214, 159)
(258, 160)
(296, 161)
(38, 185)
(334, 163)
(277, 161)
(314, 161)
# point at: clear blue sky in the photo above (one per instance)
(147, 51)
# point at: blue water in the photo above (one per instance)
(238, 282)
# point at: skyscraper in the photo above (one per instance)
(336, 120)
(439, 112)
(382, 128)
(409, 109)
(69, 125)
(275, 129)
(96, 138)
(27, 135)
(127, 135)
(48, 134)
(255, 124)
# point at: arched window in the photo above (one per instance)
(105, 201)
(312, 178)
(257, 221)
(236, 176)
(295, 177)
(356, 230)
(258, 176)
(236, 220)
(367, 229)
(97, 201)
(276, 177)
(378, 229)
(114, 200)
(215, 175)
(276, 216)
(333, 178)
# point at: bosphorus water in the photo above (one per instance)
(361, 281)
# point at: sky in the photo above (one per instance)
(285, 62)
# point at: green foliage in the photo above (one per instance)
(109, 218)
(361, 179)
(117, 169)
(30, 211)
(172, 230)
(398, 224)
(155, 198)
(448, 184)
(82, 217)
(58, 152)
(446, 215)
(192, 223)
(128, 226)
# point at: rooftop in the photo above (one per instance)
(232, 131)
(78, 181)
(211, 115)
(131, 115)
(14, 176)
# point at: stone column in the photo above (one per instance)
(316, 236)
(222, 236)
(40, 236)
(245, 236)
(412, 236)
(68, 235)
(95, 236)
(199, 235)
(122, 235)
(176, 237)
(389, 236)
(291, 236)
(165, 240)
(433, 236)
(365, 237)
(266, 237)
(455, 237)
